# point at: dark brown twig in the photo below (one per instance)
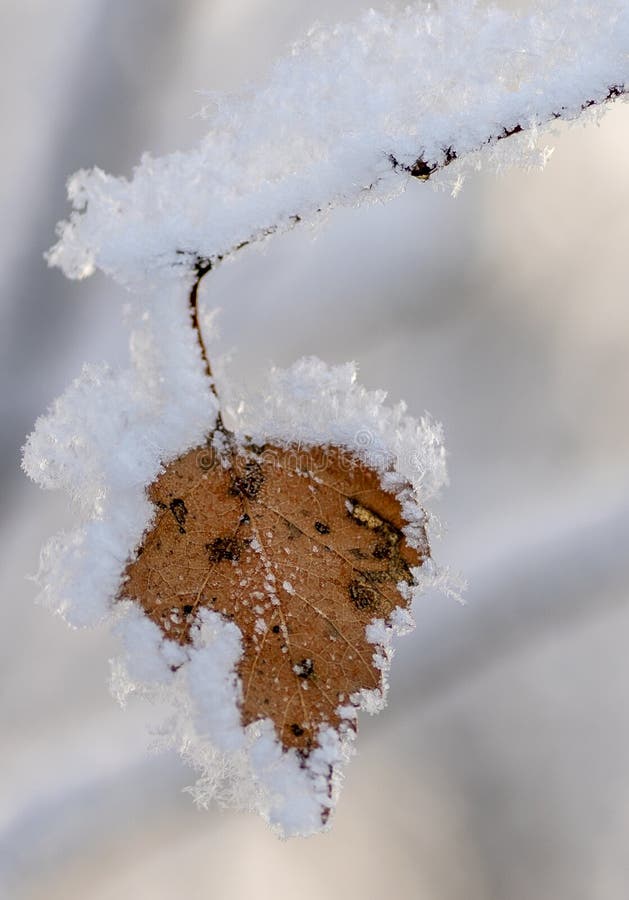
(201, 268)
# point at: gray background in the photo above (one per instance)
(500, 768)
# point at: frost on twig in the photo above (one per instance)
(347, 118)
(189, 560)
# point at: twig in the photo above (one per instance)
(421, 169)
(201, 268)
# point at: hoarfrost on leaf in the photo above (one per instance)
(306, 643)
(195, 628)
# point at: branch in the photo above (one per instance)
(337, 123)
(420, 169)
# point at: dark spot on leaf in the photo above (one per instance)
(322, 528)
(275, 629)
(363, 596)
(223, 548)
(179, 511)
(296, 729)
(188, 609)
(304, 669)
(383, 550)
(374, 576)
(249, 483)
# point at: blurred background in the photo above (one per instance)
(500, 770)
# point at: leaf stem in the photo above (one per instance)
(201, 268)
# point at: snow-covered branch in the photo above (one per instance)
(346, 118)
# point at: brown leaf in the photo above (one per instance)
(302, 549)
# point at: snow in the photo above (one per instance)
(297, 795)
(213, 685)
(320, 132)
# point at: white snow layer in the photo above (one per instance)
(318, 133)
(321, 130)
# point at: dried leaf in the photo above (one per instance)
(302, 549)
